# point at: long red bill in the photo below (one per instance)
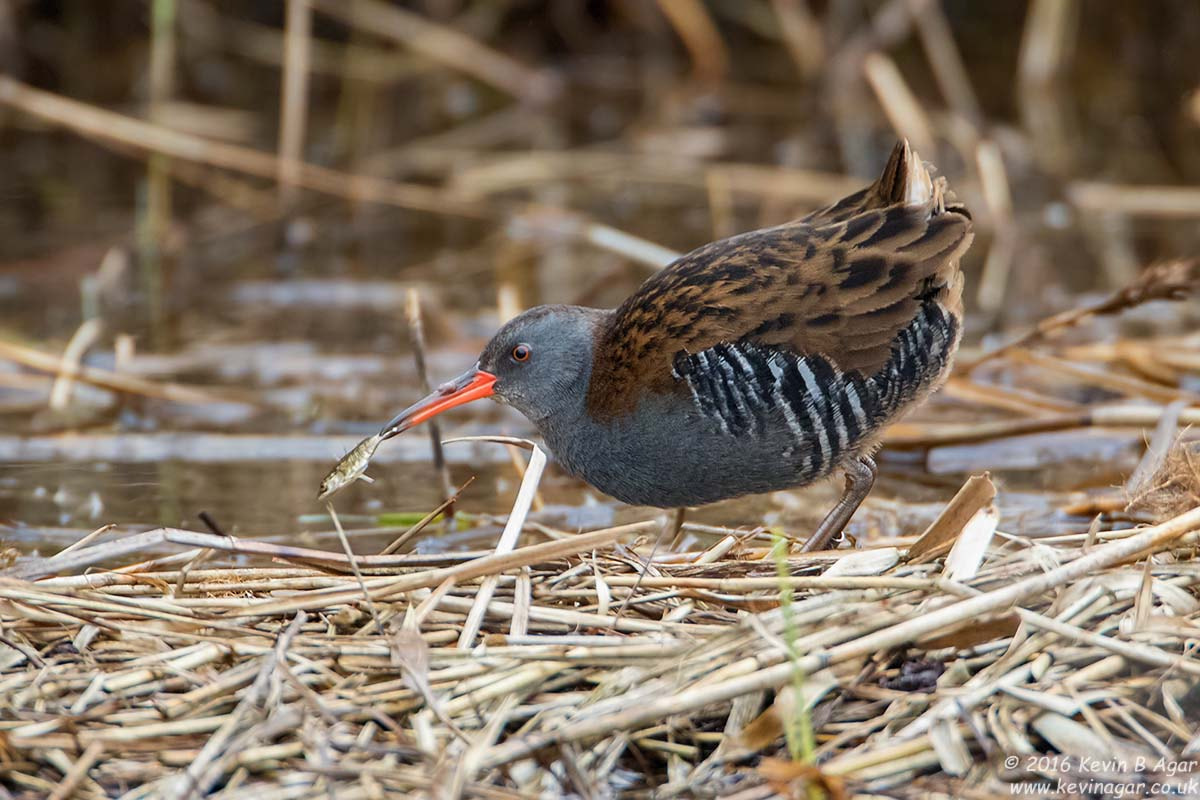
(473, 384)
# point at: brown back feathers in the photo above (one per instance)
(842, 282)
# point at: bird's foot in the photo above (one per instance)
(860, 477)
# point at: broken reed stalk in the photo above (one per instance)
(508, 538)
(80, 342)
(416, 335)
(447, 506)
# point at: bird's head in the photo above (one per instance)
(539, 363)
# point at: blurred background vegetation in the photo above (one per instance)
(219, 207)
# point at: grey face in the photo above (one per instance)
(542, 359)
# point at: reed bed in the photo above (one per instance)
(958, 662)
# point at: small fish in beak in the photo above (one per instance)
(473, 384)
(351, 468)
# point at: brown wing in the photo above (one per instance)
(842, 282)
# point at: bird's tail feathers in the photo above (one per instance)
(909, 180)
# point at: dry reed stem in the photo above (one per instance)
(446, 46)
(80, 342)
(1169, 202)
(416, 335)
(993, 282)
(293, 116)
(1113, 381)
(914, 434)
(106, 379)
(447, 505)
(695, 27)
(268, 45)
(117, 129)
(1165, 434)
(70, 560)
(503, 172)
(381, 588)
(1007, 398)
(1170, 280)
(802, 34)
(946, 61)
(901, 106)
(508, 538)
(1046, 46)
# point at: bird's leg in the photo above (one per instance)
(860, 477)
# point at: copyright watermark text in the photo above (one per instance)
(1139, 776)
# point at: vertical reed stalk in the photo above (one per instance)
(294, 112)
(416, 334)
(155, 211)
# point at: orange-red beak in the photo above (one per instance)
(471, 385)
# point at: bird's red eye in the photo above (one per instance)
(521, 352)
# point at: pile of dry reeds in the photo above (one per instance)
(925, 664)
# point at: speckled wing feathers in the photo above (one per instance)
(842, 283)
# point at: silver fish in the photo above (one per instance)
(350, 468)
